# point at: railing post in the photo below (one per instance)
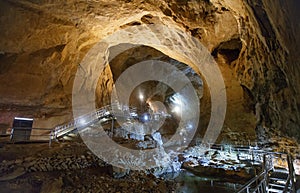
(265, 169)
(291, 172)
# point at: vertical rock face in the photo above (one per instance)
(265, 67)
(253, 41)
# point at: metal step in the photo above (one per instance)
(280, 175)
(281, 170)
(273, 190)
(278, 180)
(276, 185)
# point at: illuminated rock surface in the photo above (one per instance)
(42, 44)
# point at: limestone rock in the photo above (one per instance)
(43, 43)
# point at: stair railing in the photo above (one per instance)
(256, 184)
(291, 176)
(259, 183)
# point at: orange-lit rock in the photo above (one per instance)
(255, 44)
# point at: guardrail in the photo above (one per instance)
(113, 110)
(269, 161)
(260, 183)
(291, 176)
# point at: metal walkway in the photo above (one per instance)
(109, 112)
(88, 119)
(273, 179)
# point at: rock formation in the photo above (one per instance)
(253, 41)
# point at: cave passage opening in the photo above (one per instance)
(154, 96)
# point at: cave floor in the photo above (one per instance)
(71, 167)
(84, 177)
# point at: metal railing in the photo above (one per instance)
(260, 183)
(253, 154)
(115, 111)
(257, 184)
(291, 176)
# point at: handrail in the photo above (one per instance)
(268, 166)
(32, 128)
(291, 174)
(250, 182)
(287, 184)
(91, 117)
(257, 154)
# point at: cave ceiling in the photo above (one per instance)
(254, 42)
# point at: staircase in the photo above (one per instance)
(273, 179)
(279, 181)
(106, 113)
(72, 136)
(282, 179)
(83, 121)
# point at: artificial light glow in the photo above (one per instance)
(141, 96)
(177, 109)
(23, 119)
(133, 115)
(82, 121)
(146, 118)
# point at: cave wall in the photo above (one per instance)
(43, 42)
(265, 67)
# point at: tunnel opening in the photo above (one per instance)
(253, 49)
(154, 95)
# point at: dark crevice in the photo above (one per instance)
(230, 50)
(149, 19)
(130, 24)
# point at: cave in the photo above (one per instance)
(149, 96)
